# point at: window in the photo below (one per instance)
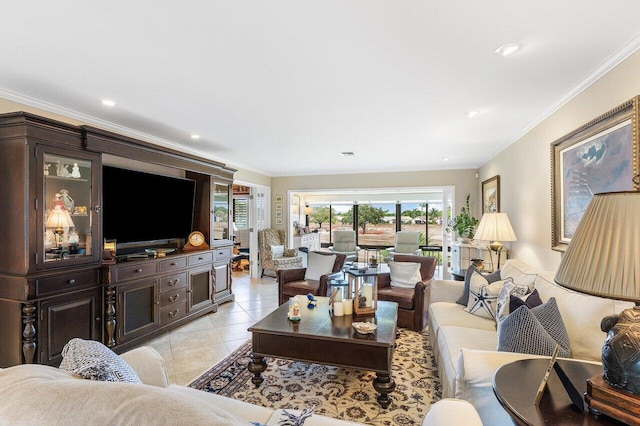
(240, 213)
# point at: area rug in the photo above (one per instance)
(334, 392)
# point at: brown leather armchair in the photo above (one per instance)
(291, 282)
(413, 302)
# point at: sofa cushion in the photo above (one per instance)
(464, 299)
(582, 314)
(520, 272)
(94, 361)
(294, 288)
(404, 274)
(483, 297)
(402, 296)
(39, 394)
(319, 265)
(534, 331)
(451, 340)
(448, 313)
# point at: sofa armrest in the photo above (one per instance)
(450, 411)
(148, 365)
(446, 290)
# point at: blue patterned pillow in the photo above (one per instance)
(94, 361)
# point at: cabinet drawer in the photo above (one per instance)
(201, 258)
(135, 271)
(172, 297)
(66, 282)
(173, 313)
(173, 264)
(223, 253)
(173, 282)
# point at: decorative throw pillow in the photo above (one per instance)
(530, 300)
(519, 272)
(404, 274)
(319, 265)
(464, 299)
(508, 290)
(277, 251)
(94, 361)
(483, 296)
(534, 331)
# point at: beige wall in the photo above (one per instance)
(525, 167)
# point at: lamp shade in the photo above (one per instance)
(603, 257)
(495, 227)
(59, 218)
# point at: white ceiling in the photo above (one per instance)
(282, 87)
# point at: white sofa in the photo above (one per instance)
(465, 345)
(37, 394)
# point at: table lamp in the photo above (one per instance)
(603, 259)
(495, 227)
(59, 218)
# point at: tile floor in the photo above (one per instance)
(195, 347)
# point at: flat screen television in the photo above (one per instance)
(145, 208)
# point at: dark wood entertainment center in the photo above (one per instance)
(54, 283)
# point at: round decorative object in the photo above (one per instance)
(364, 327)
(620, 354)
(196, 238)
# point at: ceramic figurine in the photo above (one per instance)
(46, 169)
(67, 200)
(75, 171)
(312, 301)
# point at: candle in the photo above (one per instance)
(338, 296)
(347, 305)
(367, 293)
(338, 309)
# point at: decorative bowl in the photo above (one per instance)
(364, 327)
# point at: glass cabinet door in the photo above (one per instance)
(221, 212)
(69, 208)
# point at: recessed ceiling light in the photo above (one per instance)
(472, 113)
(194, 136)
(347, 153)
(507, 49)
(108, 102)
(445, 158)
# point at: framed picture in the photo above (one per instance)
(278, 206)
(278, 221)
(600, 156)
(491, 195)
(279, 199)
(279, 213)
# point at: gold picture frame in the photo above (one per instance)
(600, 156)
(491, 195)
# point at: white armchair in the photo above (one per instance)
(344, 242)
(407, 242)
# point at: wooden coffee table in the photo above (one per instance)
(319, 338)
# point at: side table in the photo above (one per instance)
(515, 385)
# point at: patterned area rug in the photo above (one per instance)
(335, 392)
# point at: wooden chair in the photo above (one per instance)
(413, 302)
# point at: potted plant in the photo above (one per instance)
(464, 224)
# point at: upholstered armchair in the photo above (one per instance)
(273, 252)
(344, 242)
(312, 279)
(407, 242)
(413, 302)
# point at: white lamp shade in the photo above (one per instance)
(495, 227)
(59, 218)
(603, 257)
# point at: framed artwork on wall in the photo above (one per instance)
(279, 199)
(278, 206)
(600, 156)
(279, 213)
(491, 195)
(278, 221)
